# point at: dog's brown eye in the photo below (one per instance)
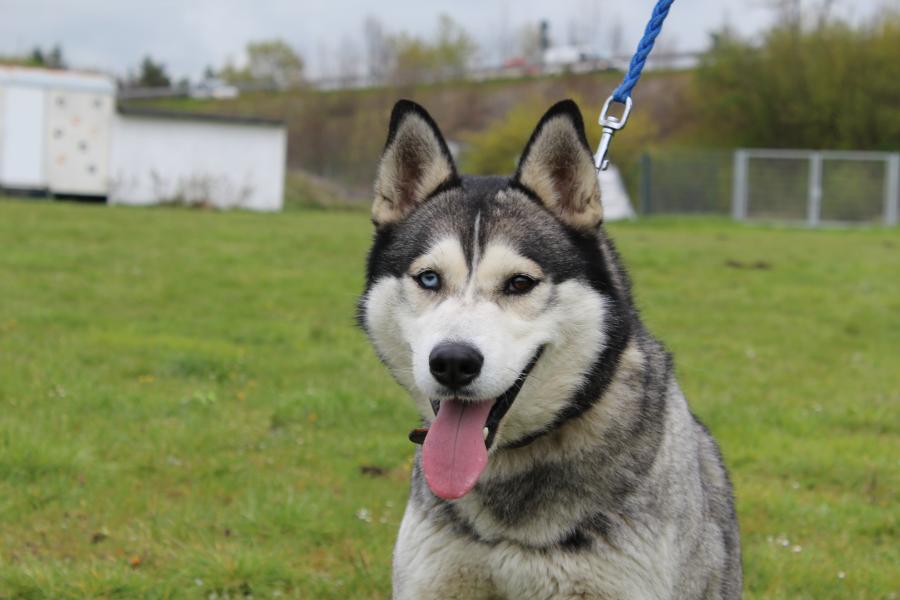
(520, 284)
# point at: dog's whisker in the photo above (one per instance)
(520, 376)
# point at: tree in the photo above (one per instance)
(496, 148)
(152, 74)
(348, 60)
(816, 84)
(50, 59)
(270, 63)
(530, 43)
(411, 59)
(617, 38)
(36, 57)
(415, 60)
(454, 49)
(55, 58)
(378, 49)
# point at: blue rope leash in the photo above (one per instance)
(654, 27)
(622, 94)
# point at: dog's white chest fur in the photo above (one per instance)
(434, 562)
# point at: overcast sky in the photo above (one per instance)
(187, 35)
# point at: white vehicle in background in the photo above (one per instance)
(564, 56)
(214, 88)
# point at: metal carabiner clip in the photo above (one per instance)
(610, 124)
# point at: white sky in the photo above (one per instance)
(187, 35)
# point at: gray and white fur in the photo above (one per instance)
(600, 482)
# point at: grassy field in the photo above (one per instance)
(187, 410)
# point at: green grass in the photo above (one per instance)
(185, 403)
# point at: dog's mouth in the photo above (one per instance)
(454, 449)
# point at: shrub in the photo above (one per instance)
(824, 84)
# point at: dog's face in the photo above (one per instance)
(486, 297)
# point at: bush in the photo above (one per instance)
(496, 149)
(824, 84)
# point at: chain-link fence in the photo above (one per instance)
(685, 182)
(784, 185)
(815, 186)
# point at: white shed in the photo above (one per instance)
(54, 130)
(226, 162)
(61, 132)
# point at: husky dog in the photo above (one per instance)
(561, 459)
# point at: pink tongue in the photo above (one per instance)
(454, 454)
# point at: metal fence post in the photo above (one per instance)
(814, 199)
(892, 189)
(739, 186)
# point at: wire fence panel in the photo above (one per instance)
(685, 183)
(817, 186)
(853, 190)
(778, 189)
(808, 186)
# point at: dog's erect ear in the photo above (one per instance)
(415, 164)
(557, 165)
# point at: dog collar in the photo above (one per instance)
(417, 436)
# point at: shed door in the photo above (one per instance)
(22, 138)
(78, 125)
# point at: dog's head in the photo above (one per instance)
(488, 298)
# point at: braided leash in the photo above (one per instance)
(622, 94)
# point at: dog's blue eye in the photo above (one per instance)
(429, 280)
(520, 284)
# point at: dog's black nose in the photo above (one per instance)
(455, 365)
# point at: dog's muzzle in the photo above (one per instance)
(498, 411)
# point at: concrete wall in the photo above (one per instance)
(156, 159)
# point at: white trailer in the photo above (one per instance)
(54, 130)
(61, 133)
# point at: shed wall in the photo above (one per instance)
(226, 165)
(22, 118)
